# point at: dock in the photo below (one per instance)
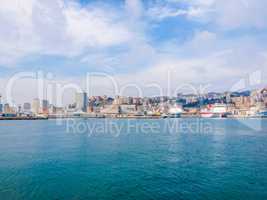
(23, 118)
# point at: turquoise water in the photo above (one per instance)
(216, 159)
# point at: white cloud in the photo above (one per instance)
(160, 12)
(134, 8)
(227, 14)
(56, 27)
(237, 14)
(241, 14)
(95, 27)
(60, 28)
(205, 59)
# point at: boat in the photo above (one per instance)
(175, 111)
(206, 114)
(214, 111)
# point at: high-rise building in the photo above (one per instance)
(7, 108)
(1, 105)
(26, 107)
(81, 101)
(45, 106)
(36, 106)
(19, 109)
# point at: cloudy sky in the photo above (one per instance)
(212, 43)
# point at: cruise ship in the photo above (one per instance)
(214, 111)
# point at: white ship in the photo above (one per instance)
(214, 111)
(205, 113)
(175, 111)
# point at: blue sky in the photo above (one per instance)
(137, 41)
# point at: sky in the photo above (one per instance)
(213, 44)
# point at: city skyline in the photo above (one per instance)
(78, 96)
(248, 104)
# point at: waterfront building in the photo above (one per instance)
(19, 109)
(137, 101)
(1, 105)
(243, 112)
(110, 109)
(81, 101)
(255, 96)
(59, 110)
(90, 109)
(121, 100)
(36, 106)
(227, 97)
(163, 107)
(140, 108)
(45, 107)
(71, 108)
(26, 107)
(253, 111)
(162, 99)
(52, 109)
(242, 101)
(175, 111)
(128, 109)
(7, 108)
(191, 98)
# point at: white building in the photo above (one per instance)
(45, 106)
(36, 106)
(128, 109)
(26, 107)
